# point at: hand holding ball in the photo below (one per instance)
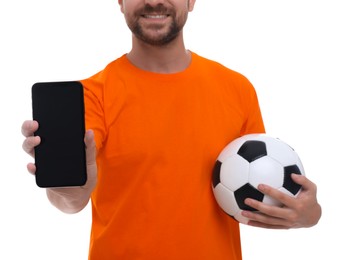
(249, 161)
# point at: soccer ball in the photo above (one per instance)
(249, 161)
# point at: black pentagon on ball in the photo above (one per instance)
(247, 191)
(288, 183)
(216, 173)
(252, 150)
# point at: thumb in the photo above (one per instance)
(91, 166)
(90, 144)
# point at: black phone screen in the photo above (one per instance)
(60, 157)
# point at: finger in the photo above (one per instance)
(283, 198)
(266, 224)
(263, 208)
(29, 143)
(29, 127)
(267, 216)
(304, 182)
(31, 168)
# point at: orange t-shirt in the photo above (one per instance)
(158, 137)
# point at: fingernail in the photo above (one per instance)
(261, 187)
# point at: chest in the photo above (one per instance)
(168, 118)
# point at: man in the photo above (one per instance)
(159, 116)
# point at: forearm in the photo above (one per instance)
(69, 200)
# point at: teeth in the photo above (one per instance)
(155, 16)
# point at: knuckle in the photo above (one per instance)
(293, 218)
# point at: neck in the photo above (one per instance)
(166, 59)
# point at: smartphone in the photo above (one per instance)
(60, 157)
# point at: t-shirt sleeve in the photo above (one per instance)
(94, 114)
(253, 116)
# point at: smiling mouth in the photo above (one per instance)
(155, 16)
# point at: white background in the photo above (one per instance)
(290, 51)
